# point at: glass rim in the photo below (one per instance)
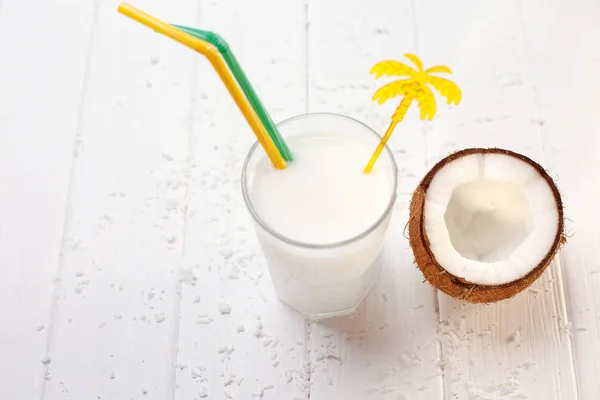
(308, 245)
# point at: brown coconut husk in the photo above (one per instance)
(456, 286)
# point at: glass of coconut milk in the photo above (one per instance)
(322, 222)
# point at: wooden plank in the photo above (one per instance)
(114, 323)
(389, 349)
(235, 338)
(564, 69)
(156, 208)
(519, 348)
(42, 74)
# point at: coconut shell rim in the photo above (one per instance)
(559, 238)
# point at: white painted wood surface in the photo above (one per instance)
(124, 238)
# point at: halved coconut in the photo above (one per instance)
(485, 223)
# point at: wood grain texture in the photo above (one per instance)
(518, 348)
(42, 73)
(389, 349)
(564, 70)
(114, 326)
(236, 340)
(129, 259)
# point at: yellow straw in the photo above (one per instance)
(380, 147)
(219, 65)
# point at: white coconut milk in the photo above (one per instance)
(322, 198)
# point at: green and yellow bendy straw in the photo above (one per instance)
(210, 52)
(237, 71)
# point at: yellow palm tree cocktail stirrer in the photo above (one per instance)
(413, 87)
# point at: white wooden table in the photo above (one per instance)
(123, 232)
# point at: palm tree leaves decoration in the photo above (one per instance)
(413, 87)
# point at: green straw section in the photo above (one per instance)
(240, 76)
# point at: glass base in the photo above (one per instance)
(320, 317)
(334, 314)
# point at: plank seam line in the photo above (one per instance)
(306, 55)
(179, 286)
(435, 292)
(562, 301)
(307, 324)
(308, 354)
(83, 95)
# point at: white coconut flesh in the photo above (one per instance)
(490, 218)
